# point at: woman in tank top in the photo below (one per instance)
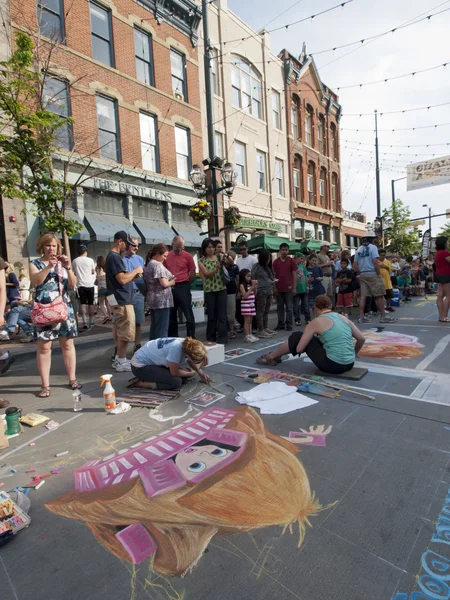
(331, 341)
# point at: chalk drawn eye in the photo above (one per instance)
(197, 467)
(219, 452)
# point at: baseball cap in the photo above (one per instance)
(123, 235)
(299, 255)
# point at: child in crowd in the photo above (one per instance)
(421, 279)
(248, 310)
(301, 296)
(344, 279)
(315, 281)
(404, 285)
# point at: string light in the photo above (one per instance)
(395, 112)
(402, 128)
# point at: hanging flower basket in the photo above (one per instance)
(200, 211)
(232, 216)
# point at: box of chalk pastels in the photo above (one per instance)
(12, 518)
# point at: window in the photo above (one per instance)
(108, 128)
(334, 192)
(149, 142)
(55, 95)
(183, 150)
(276, 109)
(241, 163)
(178, 68)
(321, 134)
(260, 170)
(348, 241)
(215, 72)
(309, 126)
(311, 183)
(279, 177)
(294, 119)
(333, 142)
(144, 56)
(101, 34)
(297, 177)
(323, 188)
(218, 144)
(51, 19)
(246, 87)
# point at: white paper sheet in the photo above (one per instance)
(275, 398)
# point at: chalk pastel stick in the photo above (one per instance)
(40, 484)
(62, 454)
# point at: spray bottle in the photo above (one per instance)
(109, 394)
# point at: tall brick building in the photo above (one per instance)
(312, 114)
(127, 72)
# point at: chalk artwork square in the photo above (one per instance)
(236, 352)
(205, 399)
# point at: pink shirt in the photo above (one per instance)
(180, 265)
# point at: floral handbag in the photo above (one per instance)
(43, 315)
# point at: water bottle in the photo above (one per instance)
(77, 397)
(12, 420)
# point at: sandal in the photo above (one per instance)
(446, 320)
(74, 385)
(232, 336)
(264, 360)
(45, 392)
(132, 382)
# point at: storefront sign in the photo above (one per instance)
(120, 187)
(261, 224)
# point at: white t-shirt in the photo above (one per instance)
(160, 352)
(247, 262)
(84, 269)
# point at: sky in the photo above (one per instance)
(420, 46)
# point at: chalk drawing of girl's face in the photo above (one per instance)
(198, 459)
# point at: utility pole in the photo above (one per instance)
(213, 224)
(377, 161)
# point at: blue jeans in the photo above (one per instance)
(19, 315)
(159, 323)
(139, 308)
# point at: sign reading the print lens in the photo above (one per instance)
(261, 224)
(130, 189)
(427, 173)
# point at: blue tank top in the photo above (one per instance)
(338, 341)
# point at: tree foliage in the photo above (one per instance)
(445, 231)
(28, 139)
(399, 236)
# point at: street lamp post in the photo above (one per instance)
(377, 161)
(429, 217)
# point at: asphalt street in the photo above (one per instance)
(383, 476)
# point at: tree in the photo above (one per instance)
(445, 231)
(399, 236)
(31, 131)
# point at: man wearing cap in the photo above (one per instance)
(326, 265)
(367, 266)
(133, 260)
(84, 269)
(119, 282)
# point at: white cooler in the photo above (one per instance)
(216, 353)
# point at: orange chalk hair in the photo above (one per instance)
(266, 485)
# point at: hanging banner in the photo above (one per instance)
(428, 173)
(426, 244)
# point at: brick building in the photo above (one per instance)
(313, 146)
(353, 230)
(127, 72)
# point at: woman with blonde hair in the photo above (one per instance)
(157, 365)
(24, 285)
(52, 276)
(220, 474)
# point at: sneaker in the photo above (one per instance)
(270, 331)
(264, 334)
(388, 320)
(85, 326)
(298, 322)
(122, 367)
(279, 327)
(29, 337)
(4, 336)
(364, 320)
(248, 339)
(254, 338)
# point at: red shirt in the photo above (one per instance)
(283, 272)
(180, 265)
(442, 265)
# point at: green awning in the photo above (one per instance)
(103, 226)
(310, 245)
(272, 243)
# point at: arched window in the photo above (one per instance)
(321, 134)
(323, 188)
(333, 142)
(309, 134)
(295, 110)
(297, 178)
(334, 192)
(246, 87)
(311, 183)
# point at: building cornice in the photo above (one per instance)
(183, 15)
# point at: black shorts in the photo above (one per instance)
(389, 294)
(86, 295)
(316, 352)
(442, 278)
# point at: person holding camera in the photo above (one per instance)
(211, 266)
(52, 276)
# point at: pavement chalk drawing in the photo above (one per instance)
(390, 345)
(166, 498)
(435, 581)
